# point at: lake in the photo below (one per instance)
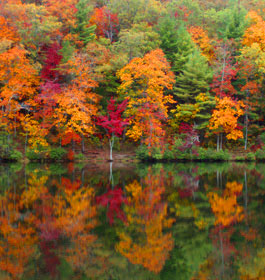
(163, 221)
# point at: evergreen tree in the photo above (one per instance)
(192, 72)
(86, 32)
(194, 78)
(237, 25)
(191, 91)
(176, 43)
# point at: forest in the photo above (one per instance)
(166, 79)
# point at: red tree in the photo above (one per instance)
(106, 22)
(113, 122)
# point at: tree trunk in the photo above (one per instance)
(246, 122)
(73, 145)
(111, 144)
(83, 144)
(246, 131)
(26, 142)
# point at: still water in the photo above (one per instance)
(162, 221)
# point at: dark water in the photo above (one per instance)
(171, 221)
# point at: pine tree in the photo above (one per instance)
(191, 90)
(192, 72)
(86, 33)
(194, 78)
(176, 43)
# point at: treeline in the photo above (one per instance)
(189, 70)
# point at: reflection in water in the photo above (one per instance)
(142, 241)
(171, 221)
(225, 207)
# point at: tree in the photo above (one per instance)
(65, 14)
(225, 71)
(86, 32)
(176, 43)
(224, 119)
(113, 122)
(191, 89)
(137, 41)
(130, 12)
(256, 32)
(18, 85)
(143, 82)
(77, 102)
(106, 22)
(192, 72)
(35, 26)
(200, 37)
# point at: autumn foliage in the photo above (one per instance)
(225, 117)
(143, 83)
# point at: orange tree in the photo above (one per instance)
(143, 83)
(77, 102)
(224, 119)
(18, 77)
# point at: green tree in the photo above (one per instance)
(192, 72)
(86, 32)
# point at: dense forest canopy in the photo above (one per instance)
(193, 67)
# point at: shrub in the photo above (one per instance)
(250, 157)
(57, 154)
(15, 155)
(142, 153)
(79, 157)
(260, 154)
(240, 158)
(156, 153)
(222, 155)
(213, 155)
(35, 155)
(168, 154)
(70, 155)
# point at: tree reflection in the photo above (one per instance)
(143, 241)
(166, 222)
(225, 207)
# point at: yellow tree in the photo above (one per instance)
(143, 83)
(224, 119)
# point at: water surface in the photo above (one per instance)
(162, 221)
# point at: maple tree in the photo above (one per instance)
(225, 119)
(143, 82)
(200, 37)
(255, 33)
(113, 122)
(18, 78)
(77, 101)
(225, 72)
